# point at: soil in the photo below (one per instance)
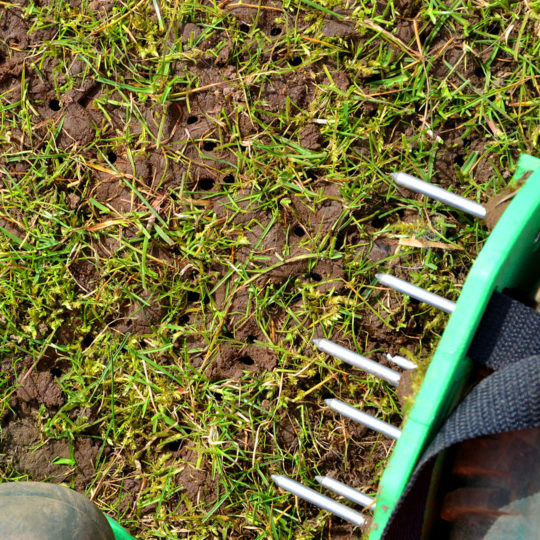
(208, 167)
(24, 447)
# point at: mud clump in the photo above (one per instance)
(327, 276)
(310, 137)
(139, 317)
(77, 127)
(39, 387)
(196, 480)
(24, 451)
(231, 362)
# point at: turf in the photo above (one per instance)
(190, 192)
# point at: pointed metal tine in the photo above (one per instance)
(440, 194)
(357, 360)
(312, 496)
(416, 292)
(363, 418)
(346, 491)
(401, 361)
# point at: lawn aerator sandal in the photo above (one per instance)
(492, 329)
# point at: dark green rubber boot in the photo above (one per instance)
(39, 511)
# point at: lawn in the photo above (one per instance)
(190, 192)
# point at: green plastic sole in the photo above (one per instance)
(119, 532)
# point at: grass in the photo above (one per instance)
(125, 253)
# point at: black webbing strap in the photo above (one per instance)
(507, 400)
(509, 331)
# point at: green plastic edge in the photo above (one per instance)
(119, 532)
(499, 265)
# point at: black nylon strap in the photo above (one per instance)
(508, 340)
(509, 331)
(507, 400)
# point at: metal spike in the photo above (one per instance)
(363, 418)
(440, 194)
(346, 491)
(357, 360)
(416, 292)
(312, 496)
(401, 361)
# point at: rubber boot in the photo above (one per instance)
(39, 511)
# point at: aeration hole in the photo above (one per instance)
(494, 28)
(54, 105)
(193, 296)
(299, 231)
(111, 156)
(206, 183)
(208, 146)
(229, 179)
(173, 446)
(378, 221)
(340, 240)
(55, 372)
(295, 61)
(246, 360)
(315, 276)
(250, 338)
(275, 31)
(192, 120)
(183, 319)
(244, 28)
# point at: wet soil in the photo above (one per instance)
(25, 448)
(275, 243)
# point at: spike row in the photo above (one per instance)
(387, 374)
(376, 369)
